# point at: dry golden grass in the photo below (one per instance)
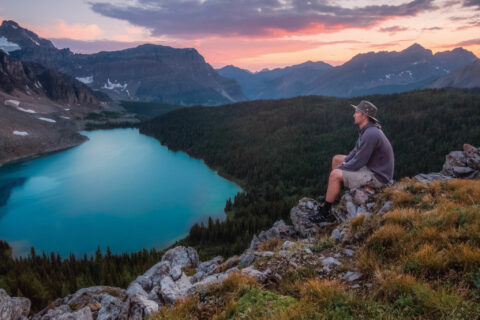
(357, 222)
(272, 244)
(422, 257)
(211, 301)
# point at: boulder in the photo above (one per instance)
(82, 314)
(13, 308)
(329, 262)
(135, 288)
(352, 276)
(458, 164)
(246, 259)
(156, 273)
(138, 307)
(112, 309)
(181, 257)
(300, 218)
(176, 273)
(144, 282)
(172, 291)
(287, 244)
(278, 230)
(90, 298)
(259, 276)
(355, 202)
(231, 262)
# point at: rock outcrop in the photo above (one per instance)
(13, 308)
(458, 164)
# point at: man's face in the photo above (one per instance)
(358, 117)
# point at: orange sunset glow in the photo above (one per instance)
(257, 34)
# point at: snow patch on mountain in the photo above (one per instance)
(114, 85)
(47, 119)
(8, 46)
(13, 103)
(85, 80)
(20, 133)
(26, 110)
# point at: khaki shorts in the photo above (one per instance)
(356, 179)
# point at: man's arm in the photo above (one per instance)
(351, 154)
(364, 151)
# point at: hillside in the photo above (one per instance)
(39, 109)
(280, 150)
(467, 76)
(411, 250)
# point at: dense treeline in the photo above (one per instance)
(280, 150)
(42, 278)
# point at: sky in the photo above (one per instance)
(253, 34)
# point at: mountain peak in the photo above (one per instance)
(25, 38)
(416, 48)
(9, 24)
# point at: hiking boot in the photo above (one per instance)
(322, 215)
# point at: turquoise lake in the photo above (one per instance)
(120, 189)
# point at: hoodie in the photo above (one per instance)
(372, 150)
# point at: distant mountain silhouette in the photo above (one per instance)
(277, 83)
(366, 73)
(388, 72)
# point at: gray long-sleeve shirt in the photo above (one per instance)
(372, 150)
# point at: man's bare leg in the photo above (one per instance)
(338, 160)
(334, 184)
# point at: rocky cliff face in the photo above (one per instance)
(272, 255)
(147, 72)
(34, 79)
(39, 109)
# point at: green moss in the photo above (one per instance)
(322, 245)
(256, 303)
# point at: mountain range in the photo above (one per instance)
(145, 73)
(369, 73)
(155, 73)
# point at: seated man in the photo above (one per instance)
(369, 163)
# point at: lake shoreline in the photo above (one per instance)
(47, 152)
(121, 182)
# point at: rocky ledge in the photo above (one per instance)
(180, 272)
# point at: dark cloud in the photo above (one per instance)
(472, 3)
(432, 29)
(194, 18)
(393, 29)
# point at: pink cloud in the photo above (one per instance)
(73, 31)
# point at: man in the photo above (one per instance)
(370, 162)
